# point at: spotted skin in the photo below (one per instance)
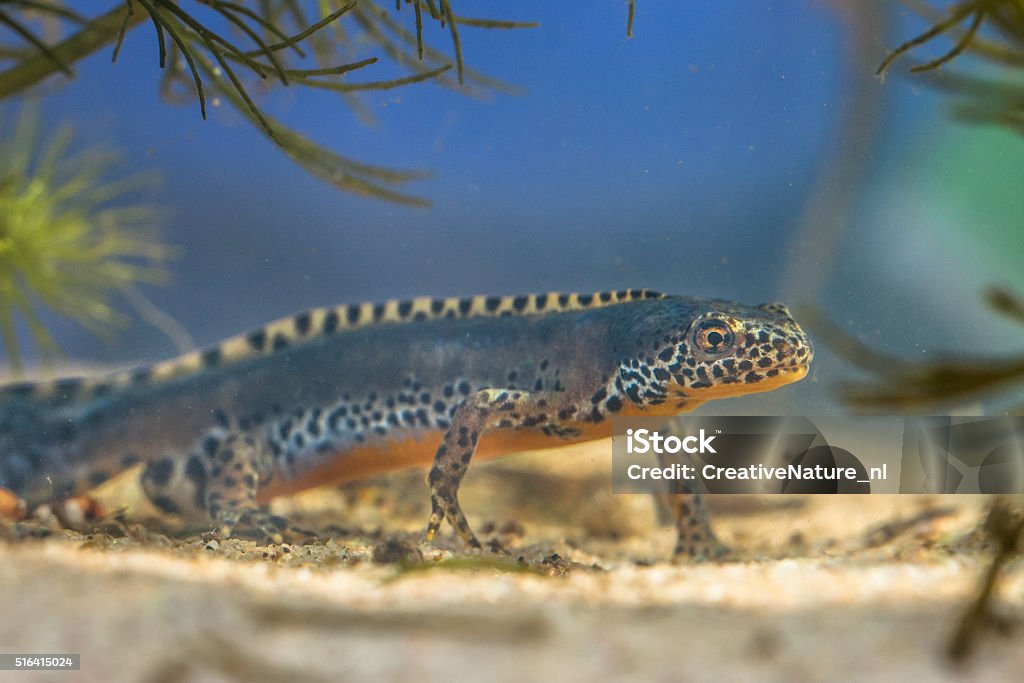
(342, 393)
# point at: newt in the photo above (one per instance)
(345, 392)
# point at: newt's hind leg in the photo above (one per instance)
(695, 540)
(483, 410)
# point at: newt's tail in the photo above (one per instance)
(30, 433)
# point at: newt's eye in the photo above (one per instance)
(713, 337)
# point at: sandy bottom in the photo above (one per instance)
(826, 589)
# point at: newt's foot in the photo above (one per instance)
(701, 548)
(262, 527)
(444, 507)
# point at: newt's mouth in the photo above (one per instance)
(784, 376)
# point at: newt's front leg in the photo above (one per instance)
(486, 409)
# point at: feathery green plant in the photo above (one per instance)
(69, 236)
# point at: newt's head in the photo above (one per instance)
(704, 349)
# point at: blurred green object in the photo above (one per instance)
(70, 237)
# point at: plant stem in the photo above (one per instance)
(99, 32)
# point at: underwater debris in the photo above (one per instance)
(1005, 526)
(69, 237)
(904, 385)
(983, 100)
(222, 49)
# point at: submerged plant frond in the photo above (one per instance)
(900, 384)
(229, 46)
(70, 238)
(990, 29)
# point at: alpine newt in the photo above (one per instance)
(336, 394)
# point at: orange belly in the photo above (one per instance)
(368, 461)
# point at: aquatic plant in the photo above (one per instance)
(905, 385)
(221, 49)
(990, 29)
(70, 237)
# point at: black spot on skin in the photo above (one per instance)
(662, 374)
(585, 299)
(352, 314)
(98, 391)
(716, 370)
(667, 354)
(633, 393)
(614, 404)
(378, 312)
(764, 363)
(166, 504)
(227, 455)
(538, 385)
(230, 482)
(729, 364)
(773, 373)
(563, 300)
(68, 388)
(285, 430)
(605, 297)
(752, 377)
(464, 388)
(142, 375)
(448, 391)
(300, 440)
(195, 471)
(160, 471)
(700, 385)
(335, 417)
(599, 395)
(212, 358)
(465, 305)
(257, 340)
(436, 306)
(221, 418)
(129, 460)
(302, 322)
(519, 303)
(98, 477)
(544, 365)
(404, 308)
(280, 342)
(439, 406)
(541, 301)
(492, 303)
(566, 413)
(762, 336)
(330, 325)
(745, 365)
